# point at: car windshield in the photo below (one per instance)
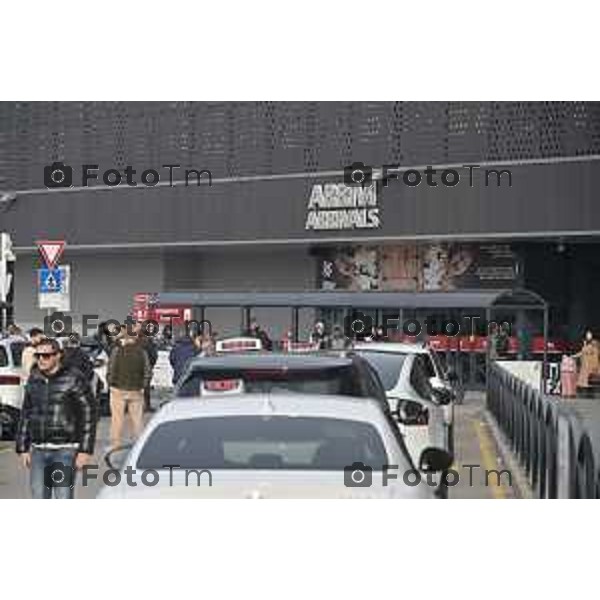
(343, 380)
(263, 442)
(387, 364)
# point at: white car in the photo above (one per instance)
(11, 388)
(271, 446)
(413, 373)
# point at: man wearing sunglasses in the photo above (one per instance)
(57, 429)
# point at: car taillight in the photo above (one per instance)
(221, 385)
(10, 380)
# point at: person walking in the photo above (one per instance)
(128, 374)
(151, 351)
(36, 336)
(57, 429)
(256, 331)
(75, 357)
(318, 337)
(184, 349)
(589, 356)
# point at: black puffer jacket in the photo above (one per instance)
(59, 409)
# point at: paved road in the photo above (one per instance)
(13, 478)
(474, 445)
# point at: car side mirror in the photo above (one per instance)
(442, 396)
(410, 412)
(434, 460)
(115, 458)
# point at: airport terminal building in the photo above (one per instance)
(488, 195)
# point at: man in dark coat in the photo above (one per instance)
(57, 429)
(128, 374)
(152, 353)
(184, 349)
(76, 358)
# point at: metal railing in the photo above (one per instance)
(557, 446)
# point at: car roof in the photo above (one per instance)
(269, 360)
(394, 347)
(293, 405)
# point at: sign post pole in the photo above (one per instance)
(7, 281)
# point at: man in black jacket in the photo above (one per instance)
(152, 353)
(57, 429)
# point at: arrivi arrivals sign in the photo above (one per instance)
(336, 206)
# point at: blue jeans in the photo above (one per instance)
(48, 477)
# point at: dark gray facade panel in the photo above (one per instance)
(543, 198)
(249, 138)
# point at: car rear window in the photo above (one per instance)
(387, 364)
(344, 381)
(263, 442)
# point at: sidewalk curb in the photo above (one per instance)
(519, 478)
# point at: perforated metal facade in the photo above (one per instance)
(236, 139)
(258, 138)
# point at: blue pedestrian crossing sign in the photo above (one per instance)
(54, 288)
(51, 281)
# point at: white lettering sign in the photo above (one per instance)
(338, 206)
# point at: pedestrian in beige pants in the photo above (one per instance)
(128, 374)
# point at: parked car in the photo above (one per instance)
(270, 446)
(11, 388)
(411, 373)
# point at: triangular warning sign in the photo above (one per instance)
(51, 251)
